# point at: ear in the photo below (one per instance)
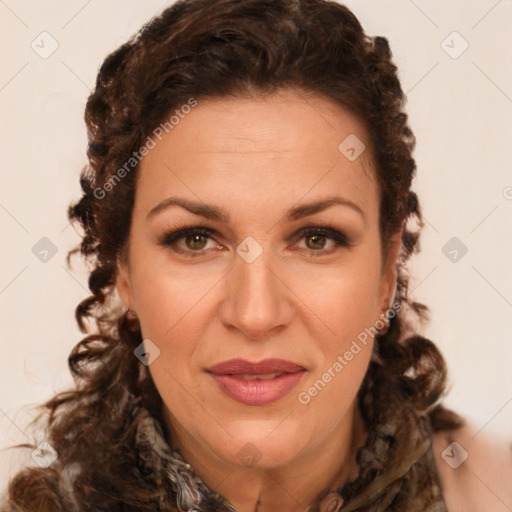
(389, 269)
(123, 281)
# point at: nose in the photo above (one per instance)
(257, 302)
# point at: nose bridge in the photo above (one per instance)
(257, 302)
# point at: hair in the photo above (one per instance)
(229, 48)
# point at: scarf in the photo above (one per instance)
(191, 494)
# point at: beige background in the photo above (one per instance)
(460, 109)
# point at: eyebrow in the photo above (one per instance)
(214, 213)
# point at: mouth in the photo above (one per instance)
(258, 383)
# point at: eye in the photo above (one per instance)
(317, 238)
(194, 240)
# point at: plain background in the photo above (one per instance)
(460, 109)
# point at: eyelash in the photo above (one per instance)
(340, 240)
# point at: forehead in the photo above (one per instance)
(260, 152)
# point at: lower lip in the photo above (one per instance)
(258, 391)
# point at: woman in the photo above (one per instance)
(247, 213)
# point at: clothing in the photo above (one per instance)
(192, 495)
(183, 491)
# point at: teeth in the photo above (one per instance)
(247, 376)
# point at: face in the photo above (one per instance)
(254, 264)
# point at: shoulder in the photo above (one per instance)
(475, 470)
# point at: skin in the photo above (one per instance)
(304, 299)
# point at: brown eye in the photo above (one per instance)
(188, 241)
(322, 240)
(195, 242)
(316, 242)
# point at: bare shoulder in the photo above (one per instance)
(475, 470)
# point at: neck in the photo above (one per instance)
(294, 486)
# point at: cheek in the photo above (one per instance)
(347, 295)
(344, 297)
(170, 299)
(346, 301)
(173, 314)
(341, 360)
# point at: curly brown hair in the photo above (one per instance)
(219, 48)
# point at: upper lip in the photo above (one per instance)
(267, 366)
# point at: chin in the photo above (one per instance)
(263, 446)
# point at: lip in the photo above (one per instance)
(231, 377)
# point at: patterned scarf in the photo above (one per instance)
(192, 495)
